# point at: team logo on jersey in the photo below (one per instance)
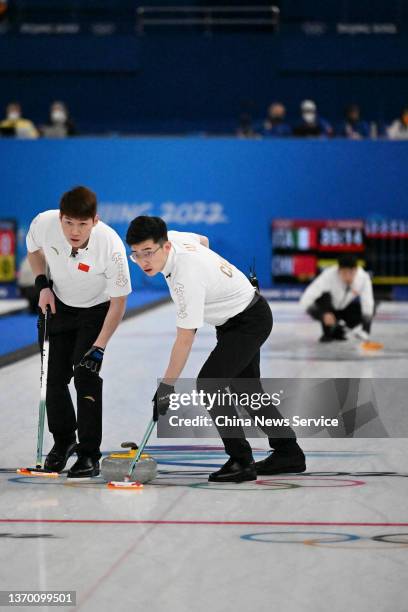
(83, 267)
(56, 250)
(181, 301)
(117, 257)
(121, 280)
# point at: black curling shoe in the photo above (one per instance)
(58, 456)
(84, 467)
(281, 463)
(337, 332)
(234, 471)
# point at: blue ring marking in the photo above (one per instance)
(254, 537)
(32, 480)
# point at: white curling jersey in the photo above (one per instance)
(204, 287)
(98, 272)
(329, 281)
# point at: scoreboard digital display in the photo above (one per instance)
(7, 251)
(302, 248)
(387, 251)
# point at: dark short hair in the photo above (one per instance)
(347, 260)
(146, 228)
(79, 203)
(14, 103)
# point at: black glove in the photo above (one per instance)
(93, 359)
(161, 400)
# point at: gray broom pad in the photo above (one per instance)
(117, 469)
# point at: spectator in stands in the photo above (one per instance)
(353, 126)
(3, 8)
(275, 125)
(245, 128)
(311, 125)
(14, 125)
(398, 130)
(26, 282)
(60, 124)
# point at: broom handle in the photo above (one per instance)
(141, 448)
(43, 390)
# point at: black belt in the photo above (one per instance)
(255, 299)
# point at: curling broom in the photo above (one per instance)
(38, 470)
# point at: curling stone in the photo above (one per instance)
(116, 465)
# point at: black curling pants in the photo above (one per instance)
(351, 315)
(234, 363)
(72, 332)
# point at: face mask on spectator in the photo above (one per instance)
(58, 116)
(13, 115)
(309, 116)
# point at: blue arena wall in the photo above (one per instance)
(227, 189)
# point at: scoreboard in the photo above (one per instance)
(302, 248)
(387, 251)
(7, 251)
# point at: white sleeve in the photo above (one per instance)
(188, 293)
(117, 270)
(34, 238)
(314, 290)
(367, 297)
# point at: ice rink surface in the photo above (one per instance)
(335, 538)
